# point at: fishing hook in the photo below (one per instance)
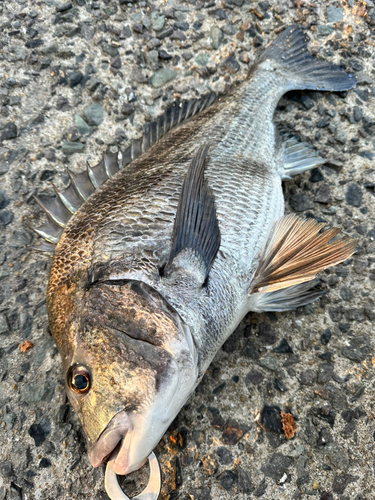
(152, 490)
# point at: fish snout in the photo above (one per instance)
(113, 442)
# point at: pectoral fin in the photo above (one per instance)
(196, 233)
(296, 252)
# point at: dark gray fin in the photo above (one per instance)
(289, 52)
(44, 247)
(296, 251)
(287, 298)
(84, 184)
(173, 116)
(50, 231)
(69, 197)
(298, 156)
(55, 209)
(196, 233)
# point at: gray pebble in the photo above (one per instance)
(353, 195)
(202, 59)
(300, 202)
(334, 14)
(4, 200)
(323, 195)
(162, 76)
(157, 21)
(276, 467)
(70, 148)
(81, 125)
(9, 131)
(358, 350)
(6, 217)
(6, 469)
(216, 36)
(94, 114)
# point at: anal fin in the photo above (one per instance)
(298, 156)
(287, 298)
(296, 252)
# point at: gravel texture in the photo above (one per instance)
(80, 76)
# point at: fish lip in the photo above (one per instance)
(116, 435)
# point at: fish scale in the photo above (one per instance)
(167, 246)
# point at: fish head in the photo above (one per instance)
(130, 365)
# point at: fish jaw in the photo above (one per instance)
(116, 432)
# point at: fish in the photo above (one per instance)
(160, 251)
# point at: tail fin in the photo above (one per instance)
(289, 51)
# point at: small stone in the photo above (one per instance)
(277, 466)
(340, 134)
(358, 350)
(227, 479)
(178, 35)
(6, 217)
(210, 465)
(326, 495)
(4, 200)
(346, 293)
(138, 76)
(307, 377)
(225, 456)
(268, 362)
(74, 78)
(44, 463)
(216, 36)
(251, 350)
(270, 419)
(157, 21)
(231, 64)
(337, 456)
(340, 482)
(6, 469)
(278, 385)
(70, 148)
(33, 44)
(307, 102)
(9, 131)
(94, 114)
(164, 55)
(40, 430)
(353, 195)
(202, 59)
(283, 347)
(326, 336)
(334, 14)
(81, 125)
(244, 484)
(323, 195)
(324, 30)
(254, 378)
(357, 114)
(127, 109)
(162, 76)
(325, 373)
(232, 432)
(301, 202)
(198, 436)
(200, 494)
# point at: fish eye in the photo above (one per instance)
(79, 379)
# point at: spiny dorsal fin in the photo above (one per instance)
(82, 185)
(196, 233)
(296, 252)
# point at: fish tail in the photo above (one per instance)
(289, 51)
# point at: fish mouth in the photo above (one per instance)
(114, 443)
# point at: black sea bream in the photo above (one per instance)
(161, 251)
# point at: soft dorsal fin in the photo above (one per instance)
(296, 252)
(196, 233)
(60, 209)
